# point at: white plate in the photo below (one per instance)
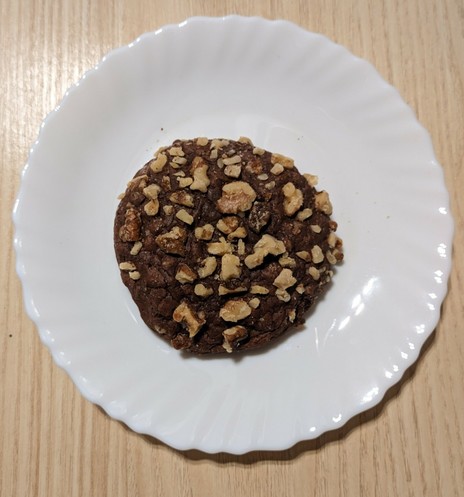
(290, 91)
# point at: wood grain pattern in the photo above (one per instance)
(54, 443)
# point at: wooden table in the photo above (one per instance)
(54, 443)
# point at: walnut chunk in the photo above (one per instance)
(228, 224)
(245, 139)
(316, 228)
(233, 335)
(303, 254)
(293, 199)
(172, 242)
(157, 164)
(316, 254)
(259, 216)
(286, 162)
(130, 230)
(127, 266)
(151, 208)
(233, 171)
(237, 196)
(240, 247)
(304, 214)
(179, 161)
(291, 315)
(258, 151)
(277, 169)
(236, 159)
(185, 274)
(285, 279)
(254, 303)
(332, 239)
(230, 267)
(322, 202)
(311, 179)
(240, 232)
(193, 321)
(184, 216)
(270, 186)
(134, 275)
(283, 295)
(286, 261)
(204, 232)
(151, 191)
(176, 152)
(199, 171)
(168, 209)
(330, 257)
(223, 290)
(235, 310)
(202, 141)
(259, 290)
(207, 267)
(266, 245)
(314, 273)
(219, 248)
(300, 288)
(184, 182)
(136, 248)
(202, 291)
(182, 198)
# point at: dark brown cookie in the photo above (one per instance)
(223, 245)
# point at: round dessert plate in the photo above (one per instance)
(290, 91)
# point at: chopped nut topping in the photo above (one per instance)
(322, 202)
(174, 165)
(151, 191)
(316, 254)
(138, 181)
(263, 177)
(182, 198)
(151, 208)
(330, 257)
(220, 163)
(176, 151)
(332, 239)
(219, 248)
(222, 290)
(185, 274)
(207, 267)
(270, 186)
(254, 303)
(233, 171)
(236, 159)
(219, 143)
(130, 230)
(241, 247)
(286, 261)
(204, 232)
(136, 248)
(244, 139)
(228, 224)
(235, 310)
(127, 266)
(240, 232)
(259, 216)
(311, 179)
(258, 151)
(230, 267)
(184, 216)
(303, 254)
(314, 273)
(199, 170)
(180, 173)
(304, 214)
(213, 154)
(202, 141)
(300, 288)
(293, 199)
(285, 279)
(179, 160)
(134, 275)
(202, 291)
(316, 228)
(291, 315)
(266, 245)
(166, 182)
(282, 295)
(184, 182)
(237, 196)
(231, 335)
(168, 209)
(281, 159)
(258, 289)
(173, 241)
(157, 164)
(277, 169)
(184, 314)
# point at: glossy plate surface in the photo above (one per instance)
(292, 92)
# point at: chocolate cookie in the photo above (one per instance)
(223, 245)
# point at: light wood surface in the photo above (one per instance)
(55, 443)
